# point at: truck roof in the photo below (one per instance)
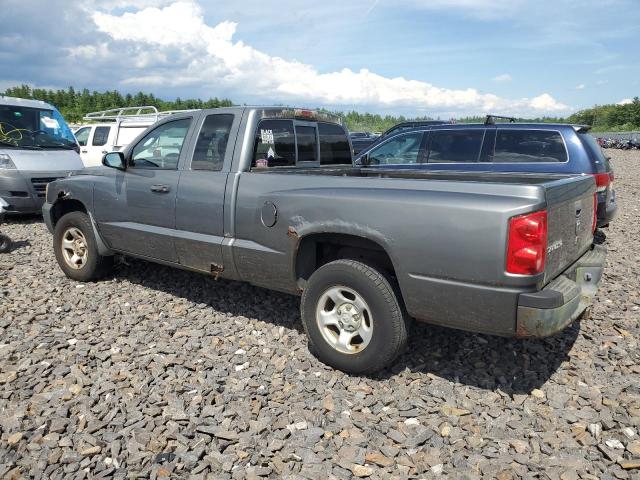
(24, 102)
(284, 112)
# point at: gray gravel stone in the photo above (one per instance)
(160, 373)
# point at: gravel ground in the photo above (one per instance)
(162, 373)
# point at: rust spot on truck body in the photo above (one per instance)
(291, 232)
(216, 270)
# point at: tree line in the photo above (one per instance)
(610, 118)
(74, 104)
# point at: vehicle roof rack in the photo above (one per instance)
(491, 119)
(130, 114)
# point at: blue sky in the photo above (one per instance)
(416, 57)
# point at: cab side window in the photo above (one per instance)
(403, 149)
(212, 143)
(82, 136)
(100, 136)
(161, 147)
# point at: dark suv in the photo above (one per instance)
(503, 147)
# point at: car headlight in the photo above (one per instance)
(6, 162)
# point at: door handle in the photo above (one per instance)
(83, 151)
(160, 188)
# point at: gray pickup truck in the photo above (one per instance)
(269, 196)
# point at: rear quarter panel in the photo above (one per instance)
(446, 239)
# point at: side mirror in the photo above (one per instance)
(363, 160)
(114, 160)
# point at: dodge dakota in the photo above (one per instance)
(269, 196)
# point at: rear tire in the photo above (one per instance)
(76, 249)
(352, 317)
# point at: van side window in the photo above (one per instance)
(100, 136)
(455, 146)
(523, 146)
(275, 144)
(212, 143)
(403, 149)
(334, 145)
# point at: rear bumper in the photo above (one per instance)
(563, 300)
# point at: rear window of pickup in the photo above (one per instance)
(291, 143)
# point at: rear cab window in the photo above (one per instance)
(294, 143)
(529, 146)
(334, 145)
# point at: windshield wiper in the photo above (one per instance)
(61, 145)
(13, 145)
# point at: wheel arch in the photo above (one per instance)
(64, 205)
(318, 248)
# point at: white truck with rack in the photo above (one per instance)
(112, 130)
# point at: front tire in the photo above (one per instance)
(76, 249)
(352, 317)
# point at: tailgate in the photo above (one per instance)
(570, 209)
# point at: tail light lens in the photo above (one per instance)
(595, 214)
(527, 243)
(603, 180)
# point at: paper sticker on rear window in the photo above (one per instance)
(266, 136)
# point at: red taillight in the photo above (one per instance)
(527, 243)
(595, 214)
(602, 181)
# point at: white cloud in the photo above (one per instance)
(198, 54)
(505, 77)
(625, 101)
(582, 86)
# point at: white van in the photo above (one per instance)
(112, 130)
(36, 147)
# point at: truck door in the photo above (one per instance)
(97, 146)
(82, 136)
(201, 191)
(136, 209)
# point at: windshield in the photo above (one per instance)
(24, 127)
